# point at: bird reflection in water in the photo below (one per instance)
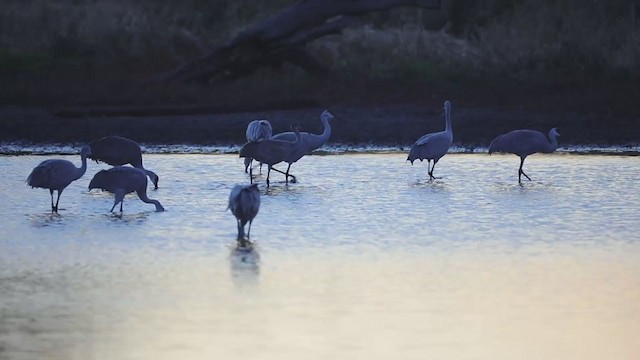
(245, 263)
(122, 218)
(49, 219)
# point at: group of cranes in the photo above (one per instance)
(432, 147)
(263, 146)
(57, 174)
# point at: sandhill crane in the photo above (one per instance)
(121, 180)
(272, 151)
(310, 141)
(244, 203)
(435, 145)
(118, 150)
(524, 143)
(57, 174)
(257, 130)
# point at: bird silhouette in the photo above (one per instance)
(122, 180)
(244, 203)
(118, 150)
(272, 151)
(310, 141)
(524, 143)
(435, 145)
(57, 174)
(257, 130)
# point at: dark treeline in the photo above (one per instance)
(498, 52)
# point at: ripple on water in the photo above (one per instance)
(363, 249)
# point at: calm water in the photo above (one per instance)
(361, 259)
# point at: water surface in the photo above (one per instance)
(362, 258)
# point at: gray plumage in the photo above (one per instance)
(257, 130)
(524, 143)
(435, 145)
(244, 203)
(57, 174)
(122, 180)
(118, 150)
(310, 141)
(272, 151)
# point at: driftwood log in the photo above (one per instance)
(281, 38)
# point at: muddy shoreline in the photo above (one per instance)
(390, 125)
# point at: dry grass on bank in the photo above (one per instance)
(104, 51)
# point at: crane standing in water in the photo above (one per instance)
(121, 180)
(57, 174)
(435, 145)
(272, 151)
(310, 141)
(257, 130)
(524, 143)
(244, 203)
(118, 150)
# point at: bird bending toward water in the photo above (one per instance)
(121, 180)
(118, 150)
(435, 145)
(257, 130)
(272, 151)
(310, 141)
(244, 203)
(524, 143)
(57, 174)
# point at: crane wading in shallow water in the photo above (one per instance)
(310, 141)
(257, 130)
(272, 151)
(121, 180)
(118, 150)
(435, 145)
(244, 203)
(524, 143)
(57, 174)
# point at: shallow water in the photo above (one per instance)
(362, 258)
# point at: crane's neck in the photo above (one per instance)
(553, 142)
(447, 120)
(318, 140)
(82, 169)
(142, 194)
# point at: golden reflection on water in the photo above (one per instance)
(461, 305)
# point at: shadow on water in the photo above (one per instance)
(124, 218)
(277, 188)
(436, 185)
(245, 264)
(48, 219)
(524, 188)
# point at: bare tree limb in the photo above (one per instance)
(280, 38)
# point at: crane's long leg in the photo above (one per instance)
(268, 173)
(433, 167)
(286, 176)
(250, 175)
(249, 230)
(58, 199)
(293, 178)
(521, 172)
(240, 229)
(119, 197)
(53, 208)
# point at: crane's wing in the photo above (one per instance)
(425, 139)
(51, 173)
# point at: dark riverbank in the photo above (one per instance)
(392, 125)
